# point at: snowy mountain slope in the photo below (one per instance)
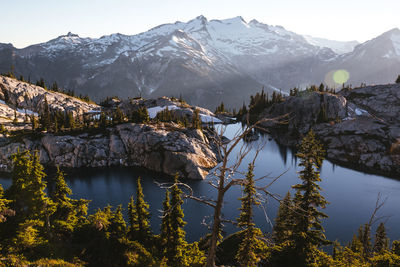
(376, 61)
(204, 61)
(337, 46)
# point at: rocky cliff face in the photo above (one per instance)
(29, 97)
(164, 148)
(359, 127)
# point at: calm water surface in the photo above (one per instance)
(352, 194)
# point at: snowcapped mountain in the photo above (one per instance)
(376, 61)
(337, 46)
(205, 61)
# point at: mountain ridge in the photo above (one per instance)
(201, 59)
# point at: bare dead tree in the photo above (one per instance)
(226, 174)
(378, 205)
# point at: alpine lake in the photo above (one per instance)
(351, 194)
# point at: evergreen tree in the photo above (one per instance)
(220, 108)
(61, 189)
(5, 210)
(118, 116)
(45, 116)
(133, 219)
(364, 236)
(2, 129)
(54, 87)
(69, 121)
(356, 246)
(166, 230)
(39, 202)
(140, 115)
(33, 122)
(176, 249)
(41, 83)
(396, 247)
(39, 206)
(247, 254)
(28, 237)
(18, 191)
(15, 121)
(103, 121)
(308, 231)
(321, 88)
(398, 79)
(283, 221)
(117, 223)
(381, 240)
(196, 121)
(143, 215)
(65, 218)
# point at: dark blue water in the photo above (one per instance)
(352, 194)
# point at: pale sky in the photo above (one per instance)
(26, 22)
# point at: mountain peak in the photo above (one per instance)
(70, 34)
(201, 18)
(394, 30)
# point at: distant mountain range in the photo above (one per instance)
(204, 61)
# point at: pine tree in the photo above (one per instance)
(166, 230)
(45, 117)
(364, 236)
(133, 219)
(140, 115)
(33, 122)
(103, 121)
(381, 240)
(61, 189)
(54, 87)
(396, 247)
(196, 122)
(143, 215)
(15, 121)
(39, 205)
(5, 210)
(37, 196)
(321, 87)
(283, 221)
(117, 223)
(176, 250)
(308, 231)
(2, 129)
(18, 191)
(251, 244)
(118, 116)
(65, 217)
(356, 246)
(220, 108)
(398, 79)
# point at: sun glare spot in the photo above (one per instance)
(341, 76)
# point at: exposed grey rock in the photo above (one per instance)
(165, 148)
(361, 128)
(25, 96)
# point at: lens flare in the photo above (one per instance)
(341, 76)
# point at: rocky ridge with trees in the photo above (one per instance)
(70, 132)
(359, 127)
